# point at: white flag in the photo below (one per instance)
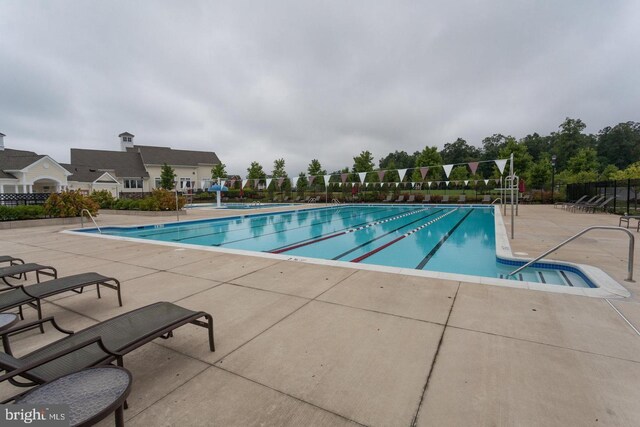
(429, 183)
(466, 182)
(366, 184)
(362, 176)
(294, 182)
(397, 183)
(326, 179)
(486, 182)
(447, 183)
(269, 182)
(402, 173)
(501, 164)
(447, 170)
(244, 182)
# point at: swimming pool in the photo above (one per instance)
(445, 238)
(237, 205)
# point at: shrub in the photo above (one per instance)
(104, 198)
(14, 213)
(69, 204)
(166, 200)
(126, 204)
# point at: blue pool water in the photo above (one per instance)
(447, 239)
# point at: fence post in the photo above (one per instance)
(615, 195)
(628, 193)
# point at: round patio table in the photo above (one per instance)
(91, 394)
(7, 320)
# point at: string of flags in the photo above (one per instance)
(343, 176)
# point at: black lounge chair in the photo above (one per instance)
(16, 270)
(99, 344)
(11, 260)
(411, 198)
(17, 296)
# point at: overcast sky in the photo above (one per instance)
(261, 80)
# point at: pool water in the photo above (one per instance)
(450, 239)
(238, 205)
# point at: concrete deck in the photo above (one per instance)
(303, 344)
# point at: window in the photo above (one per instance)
(158, 183)
(132, 183)
(185, 183)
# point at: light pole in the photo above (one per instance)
(553, 176)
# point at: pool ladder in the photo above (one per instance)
(572, 238)
(90, 216)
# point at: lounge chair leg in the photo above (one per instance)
(40, 315)
(98, 289)
(212, 345)
(118, 290)
(20, 313)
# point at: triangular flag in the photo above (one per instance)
(280, 181)
(447, 183)
(362, 176)
(366, 184)
(466, 182)
(255, 182)
(447, 169)
(397, 183)
(501, 164)
(326, 179)
(340, 184)
(311, 178)
(269, 182)
(244, 182)
(473, 166)
(486, 182)
(423, 171)
(402, 173)
(343, 177)
(429, 183)
(381, 175)
(497, 180)
(294, 182)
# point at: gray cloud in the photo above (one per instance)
(303, 80)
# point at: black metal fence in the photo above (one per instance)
(15, 199)
(624, 193)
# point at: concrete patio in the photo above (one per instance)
(304, 344)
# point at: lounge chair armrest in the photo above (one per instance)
(13, 288)
(35, 364)
(30, 325)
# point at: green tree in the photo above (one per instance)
(255, 171)
(459, 151)
(540, 172)
(315, 168)
(303, 182)
(608, 173)
(363, 162)
(218, 171)
(585, 160)
(429, 156)
(620, 145)
(537, 145)
(398, 160)
(167, 177)
(569, 140)
(278, 169)
(630, 172)
(522, 160)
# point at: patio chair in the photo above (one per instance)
(587, 206)
(297, 199)
(462, 199)
(602, 206)
(400, 199)
(526, 198)
(285, 198)
(389, 198)
(594, 199)
(486, 198)
(427, 198)
(11, 260)
(411, 198)
(99, 344)
(17, 270)
(627, 219)
(445, 198)
(17, 296)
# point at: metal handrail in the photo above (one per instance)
(595, 227)
(90, 216)
(497, 200)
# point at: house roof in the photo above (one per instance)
(152, 155)
(125, 164)
(81, 173)
(126, 134)
(16, 160)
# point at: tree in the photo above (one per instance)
(522, 160)
(540, 172)
(537, 145)
(569, 140)
(315, 168)
(278, 169)
(218, 171)
(167, 177)
(608, 173)
(459, 152)
(620, 145)
(429, 156)
(585, 160)
(255, 171)
(397, 160)
(303, 183)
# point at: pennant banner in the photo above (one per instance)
(466, 182)
(255, 182)
(397, 183)
(343, 177)
(366, 184)
(294, 182)
(311, 178)
(381, 175)
(269, 182)
(362, 176)
(244, 182)
(474, 167)
(423, 172)
(486, 182)
(497, 181)
(447, 170)
(429, 183)
(326, 179)
(340, 184)
(402, 173)
(447, 183)
(501, 164)
(280, 181)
